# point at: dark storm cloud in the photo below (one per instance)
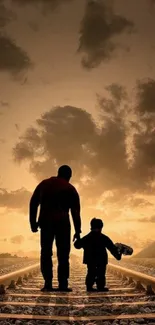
(69, 135)
(63, 134)
(13, 59)
(25, 148)
(15, 200)
(19, 239)
(99, 28)
(144, 140)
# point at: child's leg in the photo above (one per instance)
(101, 276)
(91, 274)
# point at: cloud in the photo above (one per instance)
(137, 202)
(3, 239)
(115, 198)
(6, 14)
(149, 219)
(144, 139)
(62, 134)
(44, 5)
(141, 220)
(98, 155)
(17, 126)
(19, 239)
(152, 2)
(127, 237)
(98, 33)
(146, 96)
(13, 59)
(15, 200)
(4, 104)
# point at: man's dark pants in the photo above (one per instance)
(96, 273)
(59, 231)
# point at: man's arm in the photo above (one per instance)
(75, 212)
(33, 208)
(112, 248)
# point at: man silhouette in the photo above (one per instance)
(56, 196)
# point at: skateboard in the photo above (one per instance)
(124, 249)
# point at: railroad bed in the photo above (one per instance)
(131, 299)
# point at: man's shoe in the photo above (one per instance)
(91, 289)
(105, 289)
(64, 289)
(47, 289)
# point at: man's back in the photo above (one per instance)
(95, 245)
(57, 197)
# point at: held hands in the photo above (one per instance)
(76, 236)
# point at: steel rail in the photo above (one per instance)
(6, 278)
(78, 318)
(139, 277)
(75, 296)
(51, 304)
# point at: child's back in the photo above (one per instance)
(95, 254)
(95, 245)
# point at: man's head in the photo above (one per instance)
(65, 172)
(96, 224)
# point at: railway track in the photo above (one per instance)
(130, 300)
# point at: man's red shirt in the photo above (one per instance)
(56, 197)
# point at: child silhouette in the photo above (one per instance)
(95, 245)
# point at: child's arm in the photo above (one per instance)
(113, 249)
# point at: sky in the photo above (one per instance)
(77, 87)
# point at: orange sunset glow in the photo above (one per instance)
(78, 88)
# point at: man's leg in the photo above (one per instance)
(101, 277)
(63, 251)
(47, 237)
(90, 277)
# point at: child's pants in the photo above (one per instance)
(96, 273)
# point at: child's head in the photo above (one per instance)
(96, 224)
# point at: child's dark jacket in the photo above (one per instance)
(95, 245)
